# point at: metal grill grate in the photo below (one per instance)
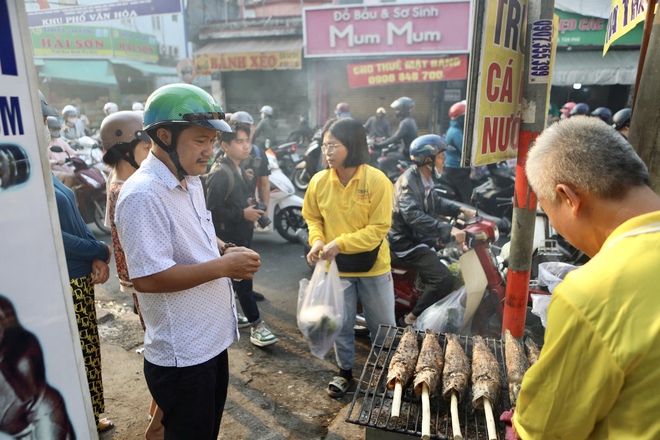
(372, 402)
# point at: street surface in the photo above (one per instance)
(276, 392)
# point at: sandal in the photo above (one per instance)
(104, 425)
(338, 386)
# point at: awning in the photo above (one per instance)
(590, 67)
(146, 68)
(79, 71)
(250, 54)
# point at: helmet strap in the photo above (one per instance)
(171, 150)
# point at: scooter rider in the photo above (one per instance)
(266, 129)
(407, 131)
(73, 128)
(415, 229)
(621, 121)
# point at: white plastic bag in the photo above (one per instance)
(321, 307)
(446, 315)
(540, 306)
(552, 273)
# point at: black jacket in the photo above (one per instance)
(407, 132)
(227, 208)
(412, 222)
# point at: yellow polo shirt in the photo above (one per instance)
(598, 376)
(358, 215)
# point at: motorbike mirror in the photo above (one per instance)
(56, 149)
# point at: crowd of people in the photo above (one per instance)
(187, 186)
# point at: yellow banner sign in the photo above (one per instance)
(284, 60)
(624, 16)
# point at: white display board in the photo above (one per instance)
(33, 275)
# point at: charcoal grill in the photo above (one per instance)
(372, 401)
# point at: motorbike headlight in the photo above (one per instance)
(496, 233)
(91, 181)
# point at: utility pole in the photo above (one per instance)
(539, 57)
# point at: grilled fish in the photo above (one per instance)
(457, 369)
(485, 373)
(402, 365)
(429, 364)
(533, 351)
(516, 365)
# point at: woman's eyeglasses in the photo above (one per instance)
(327, 148)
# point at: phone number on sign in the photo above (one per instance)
(390, 78)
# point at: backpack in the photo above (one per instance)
(217, 166)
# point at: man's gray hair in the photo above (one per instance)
(585, 153)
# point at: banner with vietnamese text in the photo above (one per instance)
(624, 16)
(406, 70)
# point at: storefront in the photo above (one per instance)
(368, 56)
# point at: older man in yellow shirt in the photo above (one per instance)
(598, 375)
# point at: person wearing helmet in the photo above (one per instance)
(125, 145)
(137, 107)
(73, 128)
(110, 108)
(266, 131)
(230, 199)
(579, 109)
(343, 110)
(377, 126)
(565, 110)
(454, 175)
(415, 228)
(407, 131)
(604, 113)
(172, 251)
(257, 168)
(621, 121)
(59, 152)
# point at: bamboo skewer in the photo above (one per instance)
(455, 423)
(490, 420)
(396, 400)
(426, 413)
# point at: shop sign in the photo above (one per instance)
(43, 387)
(580, 30)
(72, 40)
(407, 70)
(624, 16)
(89, 14)
(400, 28)
(135, 46)
(495, 80)
(283, 60)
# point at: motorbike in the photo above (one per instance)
(388, 159)
(286, 156)
(285, 207)
(90, 191)
(310, 164)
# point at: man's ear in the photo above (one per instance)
(165, 135)
(571, 197)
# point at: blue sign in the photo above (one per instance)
(7, 54)
(101, 12)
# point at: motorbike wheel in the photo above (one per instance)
(300, 179)
(99, 216)
(288, 221)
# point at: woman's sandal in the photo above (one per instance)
(104, 425)
(338, 387)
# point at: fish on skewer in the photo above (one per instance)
(455, 379)
(516, 365)
(485, 382)
(427, 376)
(533, 351)
(402, 367)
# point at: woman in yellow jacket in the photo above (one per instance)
(348, 209)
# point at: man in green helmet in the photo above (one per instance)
(181, 270)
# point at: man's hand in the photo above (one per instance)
(250, 173)
(100, 272)
(458, 235)
(468, 213)
(240, 263)
(313, 255)
(251, 214)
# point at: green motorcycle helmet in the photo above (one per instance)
(177, 106)
(183, 104)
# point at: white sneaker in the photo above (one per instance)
(242, 321)
(261, 336)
